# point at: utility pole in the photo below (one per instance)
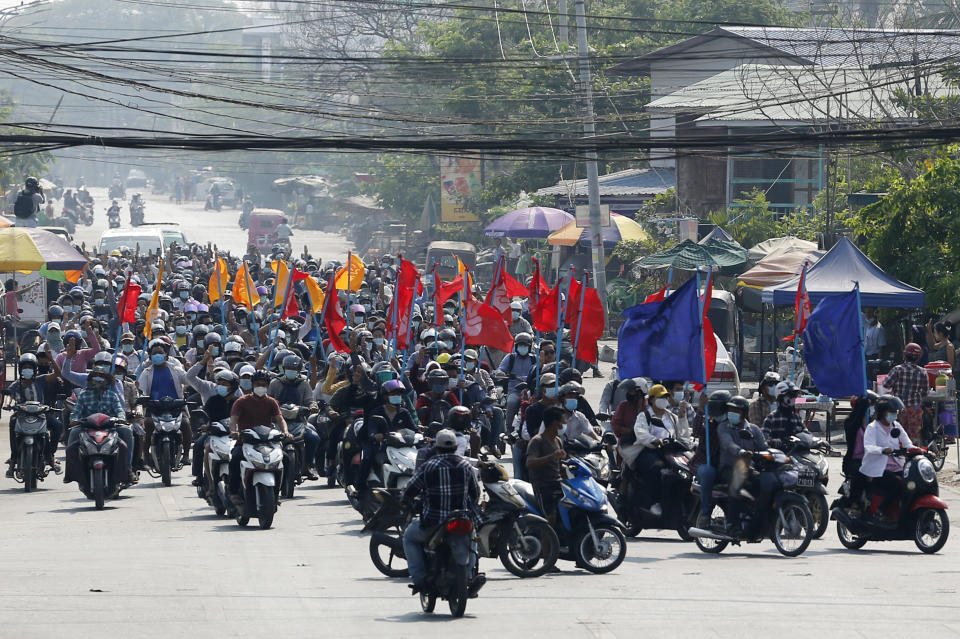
(564, 33)
(589, 132)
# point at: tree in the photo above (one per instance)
(749, 222)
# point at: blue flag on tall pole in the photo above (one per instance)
(661, 340)
(833, 346)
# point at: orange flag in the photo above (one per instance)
(153, 310)
(461, 269)
(218, 280)
(244, 292)
(316, 294)
(355, 277)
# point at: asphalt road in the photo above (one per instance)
(159, 563)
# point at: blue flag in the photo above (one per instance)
(833, 346)
(662, 340)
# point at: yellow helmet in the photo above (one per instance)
(658, 390)
(443, 358)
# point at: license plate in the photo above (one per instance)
(806, 480)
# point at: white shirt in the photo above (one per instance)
(875, 438)
(577, 425)
(646, 432)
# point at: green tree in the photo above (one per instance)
(749, 222)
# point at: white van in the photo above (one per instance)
(150, 240)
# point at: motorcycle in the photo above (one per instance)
(101, 452)
(588, 535)
(596, 454)
(218, 461)
(117, 192)
(807, 453)
(295, 448)
(394, 465)
(32, 437)
(261, 469)
(680, 507)
(919, 515)
(787, 520)
(136, 207)
(451, 570)
(113, 217)
(167, 415)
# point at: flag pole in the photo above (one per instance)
(703, 350)
(576, 337)
(349, 287)
(394, 313)
(561, 311)
(413, 299)
(796, 323)
(323, 310)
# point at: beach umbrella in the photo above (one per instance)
(536, 222)
(31, 249)
(621, 229)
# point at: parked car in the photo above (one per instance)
(725, 375)
(136, 178)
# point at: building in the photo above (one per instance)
(771, 79)
(624, 191)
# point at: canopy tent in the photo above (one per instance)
(837, 271)
(766, 247)
(621, 229)
(533, 222)
(718, 234)
(689, 255)
(779, 265)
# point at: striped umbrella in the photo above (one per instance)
(621, 229)
(31, 249)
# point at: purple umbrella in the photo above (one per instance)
(533, 222)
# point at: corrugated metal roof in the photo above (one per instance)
(652, 181)
(783, 94)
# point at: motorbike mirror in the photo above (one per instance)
(895, 432)
(745, 433)
(609, 439)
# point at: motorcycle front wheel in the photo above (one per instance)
(529, 548)
(164, 462)
(428, 601)
(266, 505)
(99, 489)
(848, 539)
(26, 468)
(604, 556)
(931, 529)
(792, 529)
(220, 499)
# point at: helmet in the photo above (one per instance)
(658, 390)
(888, 404)
(570, 375)
(770, 379)
(157, 343)
(120, 363)
(427, 334)
(292, 362)
(260, 376)
(516, 306)
(55, 311)
(28, 359)
(739, 403)
(570, 387)
(523, 338)
(32, 183)
(448, 335)
(787, 387)
(436, 376)
(200, 330)
(226, 377)
(717, 402)
(391, 386)
(912, 349)
(634, 383)
(102, 361)
(446, 441)
(232, 347)
(212, 338)
(72, 334)
(458, 418)
(190, 307)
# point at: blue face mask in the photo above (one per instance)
(222, 391)
(523, 350)
(67, 308)
(158, 359)
(181, 330)
(395, 399)
(289, 374)
(437, 388)
(871, 411)
(99, 302)
(246, 384)
(127, 348)
(184, 295)
(550, 392)
(26, 373)
(570, 403)
(378, 341)
(734, 418)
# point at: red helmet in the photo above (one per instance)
(912, 349)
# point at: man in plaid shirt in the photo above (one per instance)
(783, 422)
(449, 483)
(99, 397)
(908, 381)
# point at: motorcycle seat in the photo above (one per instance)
(525, 490)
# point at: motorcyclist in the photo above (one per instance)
(217, 407)
(766, 401)
(439, 392)
(34, 387)
(576, 423)
(654, 425)
(449, 483)
(517, 365)
(706, 465)
(635, 390)
(882, 437)
(99, 397)
(739, 440)
(114, 211)
(387, 416)
(863, 412)
(356, 395)
(292, 388)
(256, 409)
(784, 422)
(164, 377)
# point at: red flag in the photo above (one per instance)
(573, 303)
(505, 288)
(591, 326)
(801, 306)
(484, 326)
(659, 296)
(443, 292)
(542, 302)
(127, 306)
(333, 318)
(408, 285)
(709, 340)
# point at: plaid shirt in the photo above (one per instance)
(908, 382)
(450, 484)
(781, 424)
(94, 401)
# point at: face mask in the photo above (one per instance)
(452, 382)
(214, 350)
(678, 396)
(54, 339)
(446, 345)
(260, 391)
(289, 374)
(99, 302)
(26, 373)
(661, 403)
(790, 402)
(67, 308)
(437, 388)
(891, 417)
(96, 380)
(550, 392)
(871, 411)
(771, 391)
(358, 319)
(570, 404)
(158, 358)
(370, 324)
(562, 431)
(222, 391)
(246, 384)
(395, 399)
(181, 330)
(734, 418)
(378, 341)
(523, 350)
(366, 307)
(184, 295)
(469, 366)
(192, 317)
(127, 348)
(516, 315)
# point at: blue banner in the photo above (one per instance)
(833, 346)
(661, 340)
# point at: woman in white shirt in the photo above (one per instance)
(881, 438)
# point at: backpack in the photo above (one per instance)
(23, 207)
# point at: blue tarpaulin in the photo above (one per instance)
(662, 340)
(833, 346)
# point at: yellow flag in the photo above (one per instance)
(218, 280)
(153, 310)
(316, 294)
(357, 271)
(283, 274)
(462, 268)
(244, 292)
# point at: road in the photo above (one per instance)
(218, 227)
(159, 563)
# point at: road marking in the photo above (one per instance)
(599, 629)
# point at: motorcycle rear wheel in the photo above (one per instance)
(266, 506)
(220, 499)
(848, 539)
(164, 462)
(385, 564)
(820, 511)
(428, 601)
(26, 468)
(99, 489)
(458, 596)
(792, 529)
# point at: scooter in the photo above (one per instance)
(32, 437)
(588, 535)
(919, 514)
(295, 448)
(113, 217)
(807, 453)
(167, 415)
(596, 454)
(786, 520)
(101, 451)
(218, 460)
(261, 469)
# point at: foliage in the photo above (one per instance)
(403, 182)
(914, 231)
(749, 222)
(15, 167)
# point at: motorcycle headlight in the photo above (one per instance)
(169, 427)
(927, 472)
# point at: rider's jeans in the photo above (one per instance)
(706, 477)
(311, 444)
(414, 537)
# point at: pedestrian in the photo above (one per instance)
(909, 383)
(875, 338)
(513, 257)
(544, 455)
(28, 203)
(524, 265)
(938, 342)
(178, 190)
(498, 251)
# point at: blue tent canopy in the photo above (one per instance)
(836, 273)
